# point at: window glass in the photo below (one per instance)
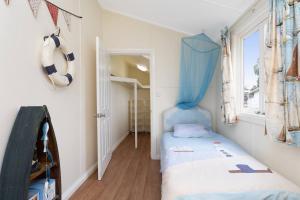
(251, 68)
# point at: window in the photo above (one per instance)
(251, 70)
(251, 65)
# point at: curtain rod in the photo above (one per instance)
(64, 10)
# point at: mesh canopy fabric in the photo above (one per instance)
(199, 56)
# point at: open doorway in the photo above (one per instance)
(131, 94)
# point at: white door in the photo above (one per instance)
(103, 108)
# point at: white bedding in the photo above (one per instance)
(205, 170)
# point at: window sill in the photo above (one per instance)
(252, 118)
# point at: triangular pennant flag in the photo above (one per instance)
(35, 6)
(67, 17)
(6, 1)
(53, 12)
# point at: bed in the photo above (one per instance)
(213, 167)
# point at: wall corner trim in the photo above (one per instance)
(72, 189)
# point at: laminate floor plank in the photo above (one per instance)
(126, 185)
(139, 183)
(153, 183)
(130, 175)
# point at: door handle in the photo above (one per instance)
(99, 115)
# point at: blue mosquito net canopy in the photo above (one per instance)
(199, 56)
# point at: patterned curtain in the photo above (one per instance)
(228, 98)
(282, 72)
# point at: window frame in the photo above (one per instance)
(255, 20)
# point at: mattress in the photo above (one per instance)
(214, 168)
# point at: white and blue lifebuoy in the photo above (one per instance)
(51, 43)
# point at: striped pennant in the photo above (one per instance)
(67, 17)
(35, 6)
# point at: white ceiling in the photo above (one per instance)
(187, 16)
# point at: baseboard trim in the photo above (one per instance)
(114, 146)
(72, 189)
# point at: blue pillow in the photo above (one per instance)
(190, 131)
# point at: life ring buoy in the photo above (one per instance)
(51, 43)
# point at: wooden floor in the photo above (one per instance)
(131, 175)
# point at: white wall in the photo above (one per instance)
(118, 66)
(23, 82)
(120, 95)
(251, 135)
(120, 32)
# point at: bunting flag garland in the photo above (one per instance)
(35, 5)
(67, 17)
(53, 12)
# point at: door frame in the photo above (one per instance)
(150, 52)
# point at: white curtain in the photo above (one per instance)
(228, 97)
